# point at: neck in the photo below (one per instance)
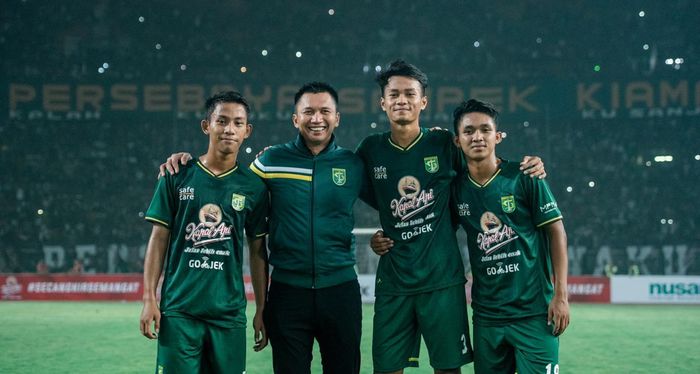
(218, 162)
(316, 148)
(404, 135)
(482, 170)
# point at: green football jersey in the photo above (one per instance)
(508, 247)
(411, 188)
(206, 215)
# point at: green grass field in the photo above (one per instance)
(89, 337)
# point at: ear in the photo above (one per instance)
(248, 130)
(295, 120)
(205, 126)
(423, 102)
(456, 141)
(499, 137)
(337, 119)
(381, 103)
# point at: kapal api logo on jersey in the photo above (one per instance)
(508, 203)
(495, 234)
(237, 202)
(431, 164)
(210, 228)
(339, 176)
(413, 199)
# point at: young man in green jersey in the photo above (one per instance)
(420, 281)
(517, 245)
(314, 292)
(199, 217)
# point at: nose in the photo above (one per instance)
(401, 99)
(317, 117)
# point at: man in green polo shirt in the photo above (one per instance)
(517, 245)
(199, 218)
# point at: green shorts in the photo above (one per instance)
(193, 346)
(440, 316)
(527, 345)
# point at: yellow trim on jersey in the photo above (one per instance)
(420, 135)
(550, 221)
(157, 221)
(413, 359)
(261, 235)
(487, 182)
(264, 175)
(214, 175)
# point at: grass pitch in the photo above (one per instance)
(89, 337)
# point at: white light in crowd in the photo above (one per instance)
(677, 67)
(538, 40)
(378, 68)
(569, 189)
(504, 134)
(101, 70)
(105, 65)
(591, 184)
(477, 44)
(526, 124)
(264, 52)
(697, 157)
(642, 13)
(331, 11)
(678, 60)
(670, 221)
(365, 68)
(645, 47)
(183, 67)
(248, 150)
(663, 221)
(141, 214)
(648, 163)
(243, 69)
(40, 212)
(669, 61)
(141, 19)
(663, 158)
(373, 125)
(158, 46)
(298, 54)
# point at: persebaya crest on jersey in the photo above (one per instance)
(508, 203)
(339, 176)
(237, 202)
(431, 164)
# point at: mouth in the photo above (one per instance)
(317, 128)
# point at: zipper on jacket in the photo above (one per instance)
(313, 247)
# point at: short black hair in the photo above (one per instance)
(471, 106)
(314, 88)
(403, 69)
(225, 97)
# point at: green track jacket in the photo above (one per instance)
(311, 215)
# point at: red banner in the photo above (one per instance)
(66, 287)
(589, 289)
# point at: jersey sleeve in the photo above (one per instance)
(544, 207)
(256, 221)
(162, 208)
(366, 191)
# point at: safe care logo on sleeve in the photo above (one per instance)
(186, 193)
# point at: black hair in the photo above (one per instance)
(314, 88)
(403, 69)
(225, 97)
(471, 106)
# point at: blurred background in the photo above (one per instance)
(95, 95)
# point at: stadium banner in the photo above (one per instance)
(87, 287)
(589, 289)
(655, 289)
